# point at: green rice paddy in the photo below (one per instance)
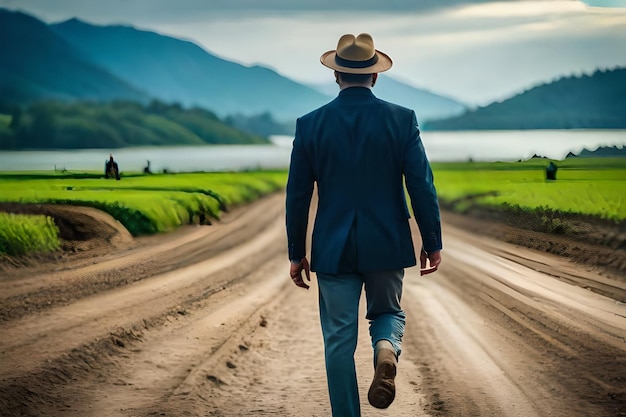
(147, 204)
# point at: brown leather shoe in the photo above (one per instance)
(383, 389)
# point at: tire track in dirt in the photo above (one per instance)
(212, 326)
(88, 318)
(281, 371)
(31, 290)
(476, 382)
(145, 381)
(503, 339)
(40, 353)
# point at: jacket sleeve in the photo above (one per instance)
(421, 188)
(299, 192)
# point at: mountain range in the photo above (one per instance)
(587, 101)
(78, 60)
(427, 105)
(39, 64)
(175, 70)
(601, 152)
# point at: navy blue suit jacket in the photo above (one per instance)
(360, 151)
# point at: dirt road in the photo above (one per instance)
(205, 322)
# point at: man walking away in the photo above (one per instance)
(360, 151)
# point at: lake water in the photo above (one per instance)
(440, 146)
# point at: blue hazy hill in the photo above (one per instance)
(175, 70)
(38, 64)
(427, 105)
(589, 101)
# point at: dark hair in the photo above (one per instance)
(354, 78)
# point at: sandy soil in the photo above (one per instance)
(205, 322)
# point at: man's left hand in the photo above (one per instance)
(295, 272)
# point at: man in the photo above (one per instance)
(358, 149)
(111, 169)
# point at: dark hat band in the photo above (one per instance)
(355, 64)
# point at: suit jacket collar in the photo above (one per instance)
(361, 92)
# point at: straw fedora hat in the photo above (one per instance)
(356, 55)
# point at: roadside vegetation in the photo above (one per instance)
(26, 234)
(147, 204)
(592, 188)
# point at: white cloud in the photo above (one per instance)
(517, 9)
(476, 53)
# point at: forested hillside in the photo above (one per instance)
(176, 70)
(601, 152)
(38, 64)
(577, 102)
(50, 124)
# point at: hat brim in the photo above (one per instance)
(382, 64)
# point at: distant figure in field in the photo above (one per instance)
(146, 169)
(111, 170)
(551, 171)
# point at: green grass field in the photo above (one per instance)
(594, 187)
(147, 204)
(144, 204)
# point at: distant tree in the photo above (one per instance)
(43, 128)
(7, 138)
(16, 117)
(158, 107)
(261, 124)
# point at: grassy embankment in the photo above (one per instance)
(589, 187)
(143, 204)
(22, 234)
(158, 203)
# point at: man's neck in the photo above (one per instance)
(343, 86)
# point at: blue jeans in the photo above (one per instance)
(339, 297)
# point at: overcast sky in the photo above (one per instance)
(475, 51)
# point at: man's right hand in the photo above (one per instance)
(433, 259)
